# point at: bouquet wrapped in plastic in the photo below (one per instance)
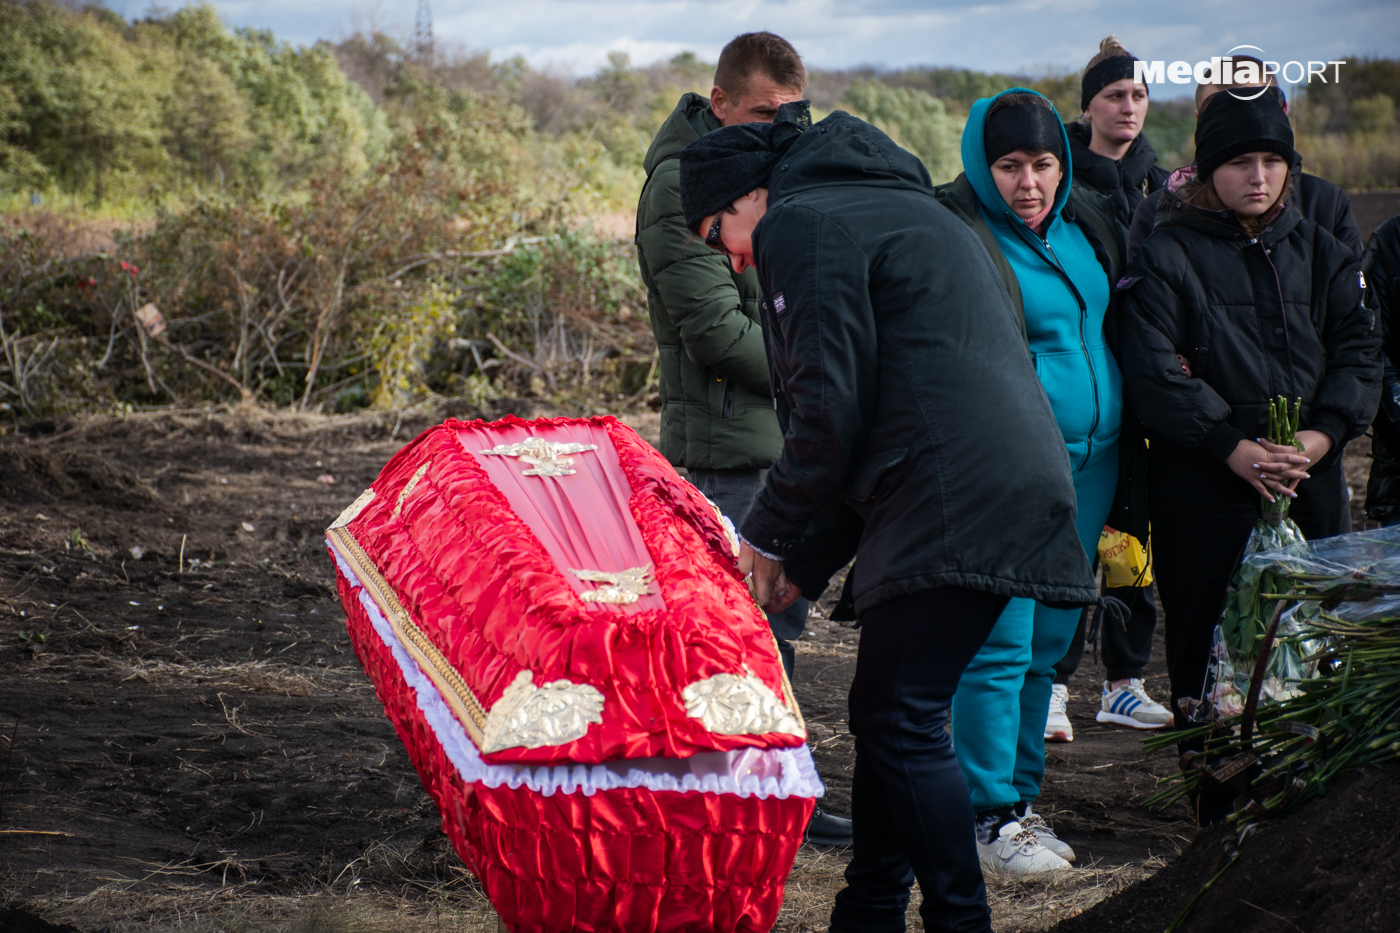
(555, 623)
(1248, 606)
(1336, 612)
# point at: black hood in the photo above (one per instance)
(845, 150)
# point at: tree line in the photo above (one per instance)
(366, 222)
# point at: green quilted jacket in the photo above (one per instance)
(716, 407)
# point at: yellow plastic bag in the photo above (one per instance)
(1124, 560)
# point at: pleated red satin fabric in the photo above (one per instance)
(479, 557)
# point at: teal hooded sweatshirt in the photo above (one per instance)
(1065, 294)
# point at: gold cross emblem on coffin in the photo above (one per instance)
(623, 587)
(546, 458)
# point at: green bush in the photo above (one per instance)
(916, 120)
(174, 104)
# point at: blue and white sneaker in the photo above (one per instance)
(1131, 706)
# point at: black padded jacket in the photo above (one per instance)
(1317, 199)
(1126, 181)
(1255, 317)
(916, 434)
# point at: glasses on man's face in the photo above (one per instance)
(712, 239)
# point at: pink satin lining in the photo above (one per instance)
(583, 520)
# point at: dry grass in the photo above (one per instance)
(252, 676)
(386, 890)
(1016, 907)
(1025, 907)
(236, 909)
(389, 890)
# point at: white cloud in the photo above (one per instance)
(991, 35)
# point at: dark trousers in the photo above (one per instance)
(909, 803)
(734, 491)
(1126, 646)
(1202, 515)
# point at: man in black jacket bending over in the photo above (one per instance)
(917, 436)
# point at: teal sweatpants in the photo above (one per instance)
(1003, 697)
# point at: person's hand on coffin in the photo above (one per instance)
(770, 585)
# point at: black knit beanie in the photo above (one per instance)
(721, 167)
(1113, 68)
(1023, 126)
(1230, 127)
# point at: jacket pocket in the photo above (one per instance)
(727, 407)
(861, 482)
(1064, 374)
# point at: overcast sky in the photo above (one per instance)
(1001, 35)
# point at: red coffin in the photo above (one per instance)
(555, 623)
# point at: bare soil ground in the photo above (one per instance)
(194, 746)
(1328, 868)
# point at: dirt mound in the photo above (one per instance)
(1331, 867)
(38, 476)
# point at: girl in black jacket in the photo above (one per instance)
(1233, 300)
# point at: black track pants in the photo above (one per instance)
(910, 806)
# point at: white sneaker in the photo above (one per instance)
(1131, 706)
(1057, 727)
(1016, 854)
(1035, 823)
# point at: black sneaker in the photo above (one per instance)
(823, 829)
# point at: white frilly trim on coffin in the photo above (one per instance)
(762, 773)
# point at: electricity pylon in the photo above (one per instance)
(423, 32)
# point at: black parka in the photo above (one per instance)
(1126, 181)
(1381, 266)
(1317, 199)
(1256, 318)
(914, 421)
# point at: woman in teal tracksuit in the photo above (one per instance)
(1059, 251)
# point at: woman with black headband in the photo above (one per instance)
(1109, 151)
(1233, 300)
(1058, 249)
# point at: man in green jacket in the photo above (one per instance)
(717, 415)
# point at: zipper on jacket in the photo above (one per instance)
(1282, 306)
(1054, 262)
(727, 409)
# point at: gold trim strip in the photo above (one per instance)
(787, 688)
(408, 488)
(450, 684)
